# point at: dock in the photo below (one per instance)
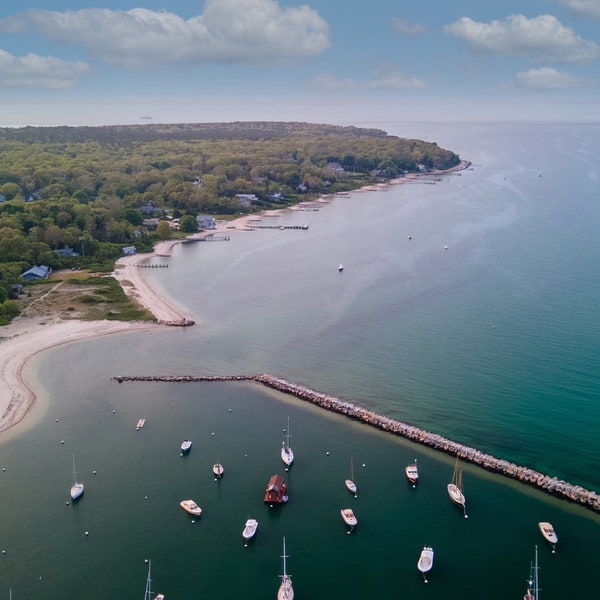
(550, 485)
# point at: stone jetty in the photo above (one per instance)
(550, 485)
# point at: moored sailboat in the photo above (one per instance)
(148, 594)
(455, 488)
(287, 454)
(77, 487)
(549, 534)
(425, 562)
(218, 470)
(285, 591)
(350, 482)
(533, 583)
(412, 473)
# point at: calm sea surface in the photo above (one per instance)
(468, 307)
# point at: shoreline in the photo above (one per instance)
(26, 337)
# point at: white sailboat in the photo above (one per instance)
(455, 488)
(285, 591)
(148, 595)
(218, 470)
(533, 583)
(425, 562)
(77, 487)
(287, 455)
(549, 534)
(350, 482)
(412, 473)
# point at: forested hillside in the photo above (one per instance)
(83, 187)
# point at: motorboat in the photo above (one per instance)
(349, 518)
(250, 529)
(218, 470)
(549, 533)
(185, 446)
(191, 507)
(425, 562)
(412, 473)
(340, 268)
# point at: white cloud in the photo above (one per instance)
(587, 8)
(541, 38)
(547, 78)
(33, 70)
(227, 31)
(385, 78)
(405, 26)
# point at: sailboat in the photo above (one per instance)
(425, 561)
(148, 595)
(412, 473)
(218, 470)
(533, 583)
(287, 455)
(455, 488)
(286, 591)
(77, 487)
(350, 482)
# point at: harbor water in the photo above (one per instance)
(466, 307)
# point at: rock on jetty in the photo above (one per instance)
(551, 485)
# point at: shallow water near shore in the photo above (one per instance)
(491, 342)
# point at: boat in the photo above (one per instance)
(549, 534)
(218, 470)
(140, 424)
(185, 446)
(455, 488)
(425, 561)
(148, 595)
(275, 492)
(287, 454)
(533, 584)
(340, 268)
(350, 482)
(412, 473)
(77, 487)
(191, 507)
(349, 518)
(285, 591)
(250, 529)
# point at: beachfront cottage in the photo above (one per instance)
(129, 250)
(206, 222)
(35, 273)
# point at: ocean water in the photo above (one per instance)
(467, 307)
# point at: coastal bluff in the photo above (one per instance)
(550, 485)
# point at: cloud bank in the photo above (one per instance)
(228, 31)
(542, 38)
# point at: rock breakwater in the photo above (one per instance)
(550, 485)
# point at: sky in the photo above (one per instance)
(347, 62)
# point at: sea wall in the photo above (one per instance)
(550, 485)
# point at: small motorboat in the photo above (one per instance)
(185, 446)
(349, 518)
(412, 473)
(191, 507)
(425, 561)
(549, 534)
(250, 529)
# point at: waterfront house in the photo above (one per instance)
(36, 273)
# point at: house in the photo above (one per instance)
(276, 488)
(129, 250)
(206, 222)
(335, 167)
(66, 251)
(151, 210)
(246, 199)
(35, 273)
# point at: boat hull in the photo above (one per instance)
(250, 529)
(548, 532)
(286, 591)
(412, 474)
(191, 507)
(77, 491)
(349, 517)
(456, 495)
(287, 456)
(351, 486)
(218, 470)
(425, 563)
(186, 446)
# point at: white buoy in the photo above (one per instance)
(62, 441)
(87, 533)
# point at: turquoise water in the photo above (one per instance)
(492, 342)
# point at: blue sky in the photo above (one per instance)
(334, 61)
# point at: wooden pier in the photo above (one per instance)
(545, 483)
